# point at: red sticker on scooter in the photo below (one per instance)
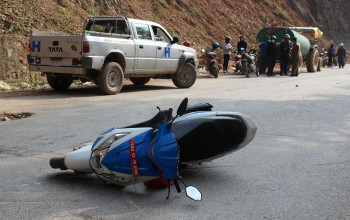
(134, 165)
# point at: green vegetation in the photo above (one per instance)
(277, 9)
(280, 11)
(192, 10)
(255, 24)
(158, 11)
(233, 16)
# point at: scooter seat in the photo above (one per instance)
(203, 138)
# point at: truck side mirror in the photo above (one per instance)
(175, 40)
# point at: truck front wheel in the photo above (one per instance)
(139, 81)
(59, 82)
(186, 77)
(110, 79)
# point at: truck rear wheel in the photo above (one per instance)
(139, 81)
(186, 77)
(312, 60)
(110, 79)
(59, 82)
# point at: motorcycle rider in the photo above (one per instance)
(211, 55)
(341, 53)
(241, 44)
(331, 55)
(187, 44)
(227, 52)
(285, 48)
(215, 45)
(271, 54)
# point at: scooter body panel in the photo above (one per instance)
(118, 158)
(79, 160)
(164, 152)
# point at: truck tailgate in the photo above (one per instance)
(56, 46)
(56, 54)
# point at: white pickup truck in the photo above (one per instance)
(109, 50)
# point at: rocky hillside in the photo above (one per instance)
(200, 22)
(331, 16)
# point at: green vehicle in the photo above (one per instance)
(307, 38)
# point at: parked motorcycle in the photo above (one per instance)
(213, 66)
(324, 56)
(248, 64)
(157, 147)
(238, 64)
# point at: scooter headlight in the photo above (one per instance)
(96, 160)
(100, 152)
(109, 141)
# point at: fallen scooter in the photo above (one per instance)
(157, 147)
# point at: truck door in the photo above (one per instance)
(167, 54)
(146, 54)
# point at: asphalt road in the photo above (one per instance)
(297, 167)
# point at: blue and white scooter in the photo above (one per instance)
(155, 148)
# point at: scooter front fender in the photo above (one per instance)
(78, 160)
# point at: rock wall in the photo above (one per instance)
(13, 57)
(330, 16)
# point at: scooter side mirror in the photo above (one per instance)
(193, 193)
(182, 107)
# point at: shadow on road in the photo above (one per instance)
(79, 91)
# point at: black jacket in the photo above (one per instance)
(341, 53)
(331, 52)
(271, 50)
(241, 44)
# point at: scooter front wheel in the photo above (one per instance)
(58, 163)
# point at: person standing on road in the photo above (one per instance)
(241, 45)
(331, 55)
(271, 54)
(285, 47)
(227, 52)
(341, 55)
(262, 59)
(294, 55)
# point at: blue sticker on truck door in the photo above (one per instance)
(166, 52)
